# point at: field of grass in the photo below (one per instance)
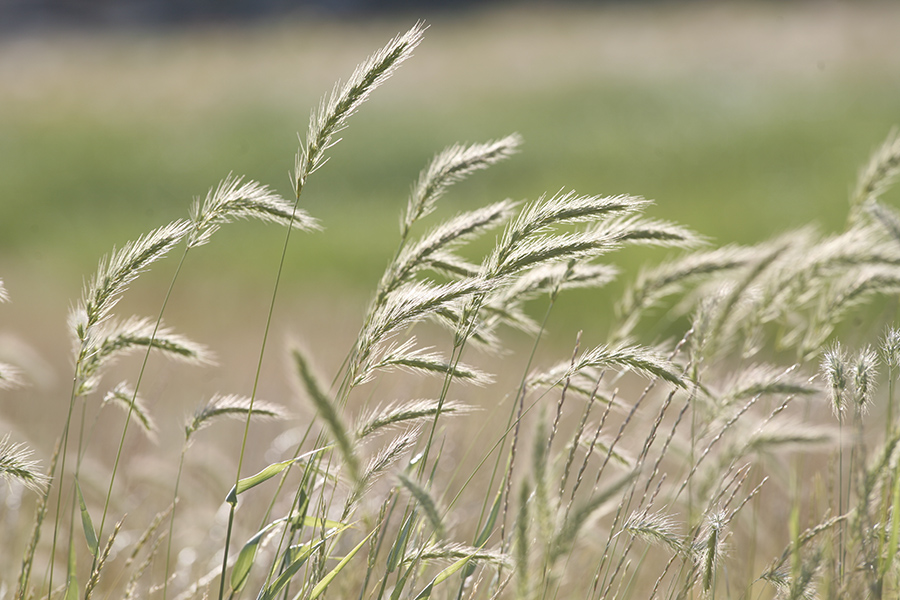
(740, 122)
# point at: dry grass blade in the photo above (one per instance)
(230, 406)
(16, 466)
(120, 269)
(450, 166)
(333, 113)
(236, 199)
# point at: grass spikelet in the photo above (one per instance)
(405, 413)
(230, 406)
(656, 528)
(654, 285)
(450, 166)
(10, 377)
(237, 199)
(101, 562)
(878, 174)
(834, 368)
(641, 360)
(381, 462)
(409, 304)
(453, 552)
(767, 380)
(712, 544)
(634, 229)
(419, 360)
(522, 544)
(4, 295)
(120, 269)
(432, 250)
(887, 217)
(113, 339)
(16, 466)
(327, 410)
(890, 348)
(122, 395)
(426, 503)
(333, 113)
(865, 373)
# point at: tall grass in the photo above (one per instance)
(699, 463)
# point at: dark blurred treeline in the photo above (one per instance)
(25, 14)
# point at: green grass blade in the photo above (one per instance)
(325, 581)
(268, 473)
(399, 547)
(442, 576)
(241, 569)
(90, 534)
(72, 577)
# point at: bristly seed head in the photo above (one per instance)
(834, 368)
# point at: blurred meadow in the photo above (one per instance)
(739, 120)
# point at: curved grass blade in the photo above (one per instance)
(442, 576)
(90, 534)
(268, 473)
(325, 581)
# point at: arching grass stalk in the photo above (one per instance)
(325, 123)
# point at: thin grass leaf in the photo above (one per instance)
(298, 555)
(266, 474)
(101, 562)
(323, 583)
(237, 199)
(398, 549)
(444, 575)
(16, 465)
(72, 572)
(450, 166)
(562, 542)
(426, 503)
(90, 534)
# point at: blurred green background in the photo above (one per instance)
(739, 120)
